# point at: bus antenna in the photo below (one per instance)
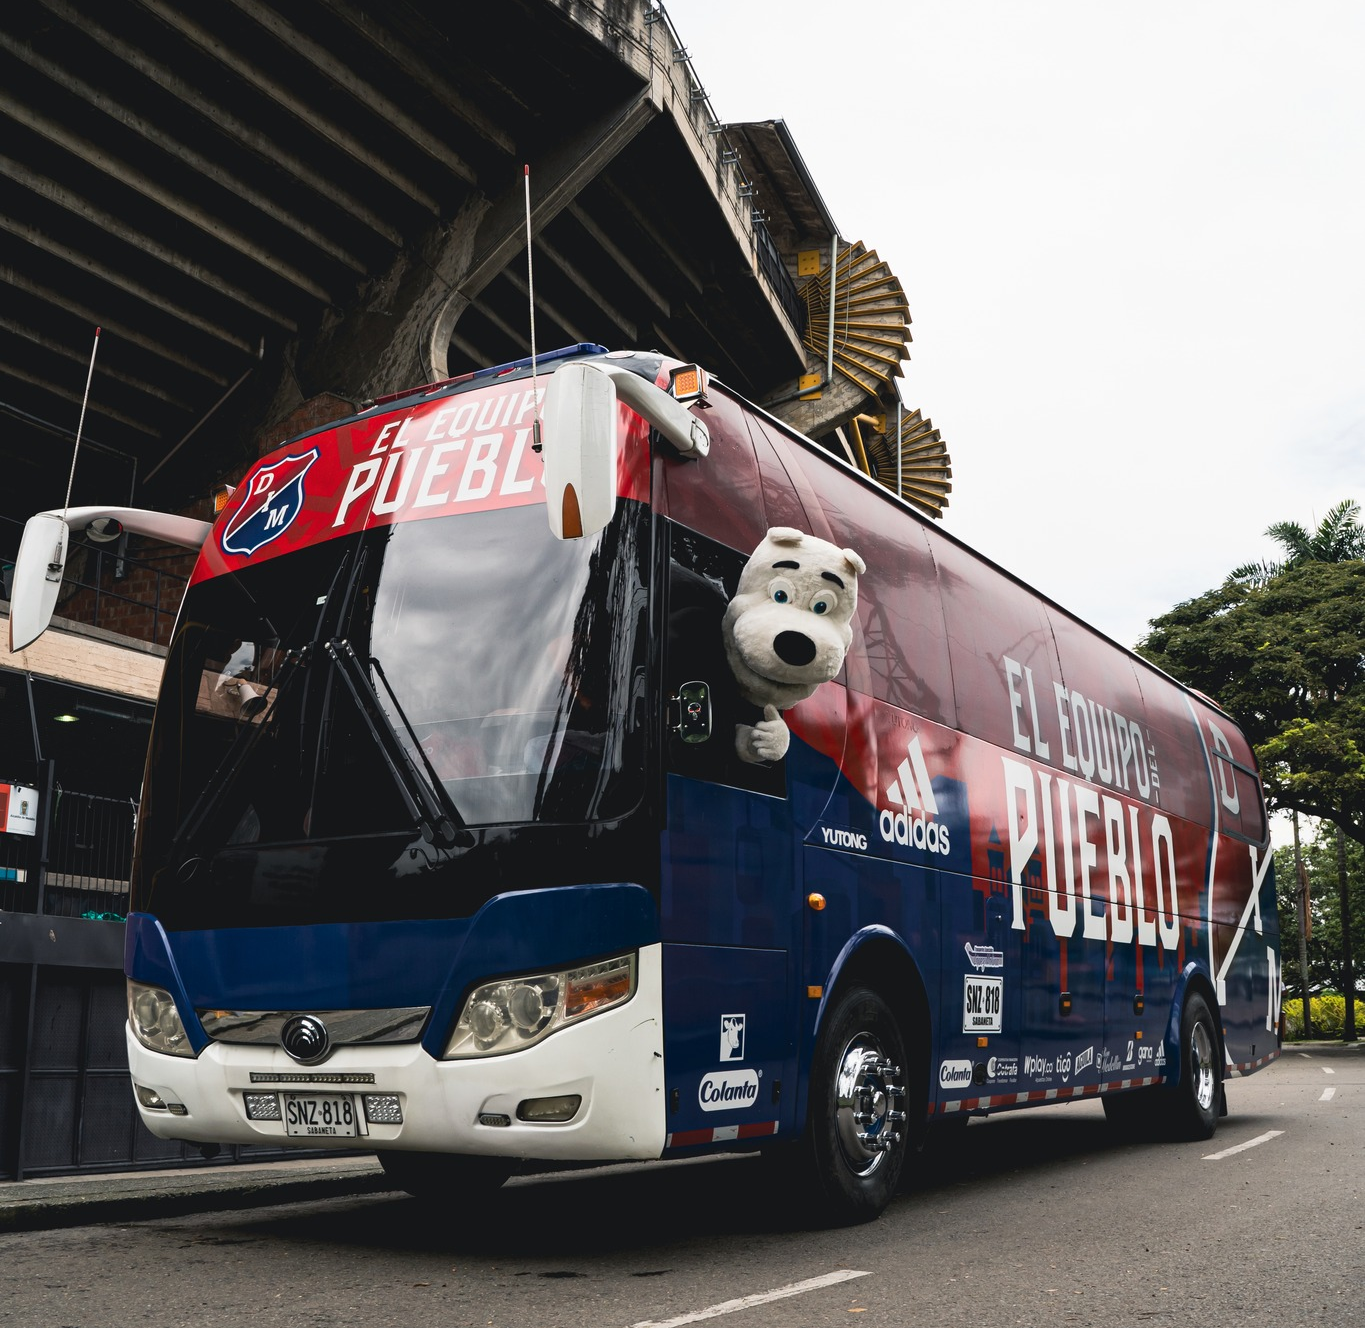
(531, 298)
(80, 426)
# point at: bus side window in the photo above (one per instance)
(703, 575)
(720, 496)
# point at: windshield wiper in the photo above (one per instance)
(426, 799)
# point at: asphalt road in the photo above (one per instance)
(1042, 1217)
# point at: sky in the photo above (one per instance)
(1132, 238)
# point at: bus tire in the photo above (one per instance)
(855, 1144)
(1193, 1110)
(432, 1176)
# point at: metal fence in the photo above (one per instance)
(90, 856)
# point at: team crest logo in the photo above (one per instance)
(271, 506)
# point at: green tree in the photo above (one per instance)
(1284, 654)
(1326, 944)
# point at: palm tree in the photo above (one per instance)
(1339, 538)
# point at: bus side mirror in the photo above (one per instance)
(37, 575)
(37, 578)
(690, 712)
(578, 448)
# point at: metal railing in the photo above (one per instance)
(779, 278)
(90, 857)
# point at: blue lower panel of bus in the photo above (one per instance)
(388, 965)
(727, 1044)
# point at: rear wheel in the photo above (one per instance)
(849, 1162)
(444, 1175)
(1194, 1109)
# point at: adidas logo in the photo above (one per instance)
(913, 794)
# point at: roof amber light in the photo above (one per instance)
(687, 383)
(221, 495)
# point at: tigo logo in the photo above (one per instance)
(912, 792)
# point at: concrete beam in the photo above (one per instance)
(839, 401)
(195, 99)
(253, 75)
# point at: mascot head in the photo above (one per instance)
(787, 629)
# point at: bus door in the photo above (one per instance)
(730, 860)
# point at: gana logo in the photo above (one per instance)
(912, 792)
(725, 1090)
(955, 1074)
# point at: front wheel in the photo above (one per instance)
(1194, 1110)
(851, 1156)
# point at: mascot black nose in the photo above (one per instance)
(794, 648)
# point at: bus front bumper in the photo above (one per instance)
(397, 1096)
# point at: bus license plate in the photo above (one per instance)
(320, 1115)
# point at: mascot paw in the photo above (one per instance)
(765, 741)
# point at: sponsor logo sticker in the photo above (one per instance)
(912, 794)
(955, 1074)
(728, 1090)
(732, 1037)
(982, 957)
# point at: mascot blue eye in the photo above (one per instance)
(819, 607)
(781, 596)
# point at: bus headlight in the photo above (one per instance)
(516, 1012)
(155, 1021)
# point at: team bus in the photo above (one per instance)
(448, 850)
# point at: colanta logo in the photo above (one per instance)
(912, 792)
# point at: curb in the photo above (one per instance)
(151, 1195)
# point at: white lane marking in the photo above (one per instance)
(1241, 1148)
(760, 1298)
(1327, 1069)
(1327, 1094)
(1305, 1055)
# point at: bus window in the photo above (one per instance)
(719, 496)
(1001, 651)
(899, 654)
(703, 576)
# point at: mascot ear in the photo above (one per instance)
(785, 535)
(854, 561)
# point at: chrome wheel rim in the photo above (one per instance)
(1202, 1066)
(869, 1104)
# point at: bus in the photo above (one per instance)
(449, 847)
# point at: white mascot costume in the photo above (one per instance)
(787, 630)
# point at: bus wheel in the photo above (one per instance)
(856, 1134)
(1194, 1111)
(444, 1175)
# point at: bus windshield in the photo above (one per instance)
(408, 685)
